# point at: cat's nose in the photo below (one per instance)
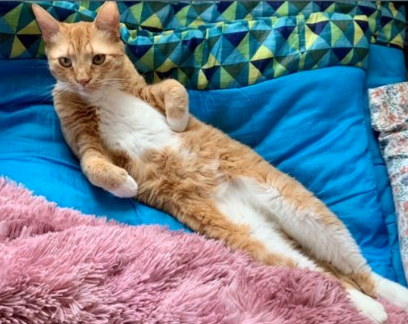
(83, 81)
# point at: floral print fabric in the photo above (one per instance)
(389, 116)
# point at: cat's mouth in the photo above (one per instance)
(85, 89)
(88, 89)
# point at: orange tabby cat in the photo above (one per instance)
(138, 140)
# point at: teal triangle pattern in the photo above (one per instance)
(212, 45)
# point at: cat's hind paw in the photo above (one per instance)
(127, 189)
(393, 292)
(368, 307)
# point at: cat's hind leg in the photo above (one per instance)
(233, 201)
(236, 204)
(310, 223)
(307, 220)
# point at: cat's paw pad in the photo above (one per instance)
(179, 124)
(127, 189)
(368, 307)
(393, 292)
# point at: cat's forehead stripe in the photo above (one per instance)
(71, 49)
(75, 48)
(88, 47)
(79, 40)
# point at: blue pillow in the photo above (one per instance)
(309, 124)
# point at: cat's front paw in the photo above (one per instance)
(176, 103)
(127, 189)
(179, 124)
(110, 177)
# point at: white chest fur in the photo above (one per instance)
(130, 124)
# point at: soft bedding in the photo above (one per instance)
(98, 272)
(330, 157)
(311, 124)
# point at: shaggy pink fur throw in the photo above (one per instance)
(59, 266)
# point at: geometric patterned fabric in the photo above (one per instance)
(215, 45)
(244, 52)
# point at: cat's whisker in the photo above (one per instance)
(44, 93)
(47, 86)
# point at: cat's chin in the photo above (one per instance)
(86, 92)
(91, 95)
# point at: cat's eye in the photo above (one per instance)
(65, 62)
(98, 59)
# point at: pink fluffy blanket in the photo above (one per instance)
(59, 266)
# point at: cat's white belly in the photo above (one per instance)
(130, 124)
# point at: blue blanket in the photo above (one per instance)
(312, 125)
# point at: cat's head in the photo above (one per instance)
(84, 56)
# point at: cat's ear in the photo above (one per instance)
(107, 19)
(48, 25)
